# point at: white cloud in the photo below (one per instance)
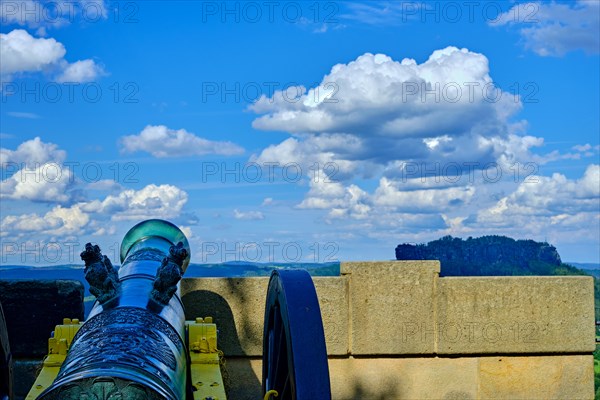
(548, 196)
(160, 141)
(389, 197)
(436, 200)
(49, 182)
(248, 215)
(341, 201)
(32, 153)
(553, 29)
(36, 173)
(373, 112)
(94, 217)
(377, 129)
(152, 201)
(81, 71)
(23, 53)
(58, 221)
(556, 207)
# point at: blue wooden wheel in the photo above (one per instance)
(294, 352)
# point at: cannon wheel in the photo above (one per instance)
(294, 352)
(5, 361)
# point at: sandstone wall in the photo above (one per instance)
(396, 330)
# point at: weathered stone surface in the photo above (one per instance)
(515, 315)
(244, 378)
(443, 378)
(238, 306)
(33, 308)
(333, 300)
(372, 378)
(392, 306)
(404, 378)
(375, 378)
(537, 377)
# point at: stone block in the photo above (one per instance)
(404, 378)
(515, 315)
(392, 306)
(537, 377)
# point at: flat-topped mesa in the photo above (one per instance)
(133, 341)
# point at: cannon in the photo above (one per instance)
(136, 343)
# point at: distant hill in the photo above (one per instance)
(489, 256)
(496, 256)
(585, 266)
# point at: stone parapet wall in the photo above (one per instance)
(397, 330)
(405, 308)
(394, 330)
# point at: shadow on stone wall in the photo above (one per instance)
(389, 391)
(203, 303)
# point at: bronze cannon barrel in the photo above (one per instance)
(132, 345)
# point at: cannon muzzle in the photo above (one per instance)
(132, 346)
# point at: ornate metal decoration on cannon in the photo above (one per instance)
(132, 344)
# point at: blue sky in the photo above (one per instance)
(298, 131)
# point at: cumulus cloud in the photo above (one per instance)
(23, 53)
(436, 200)
(48, 182)
(390, 197)
(439, 136)
(152, 201)
(248, 215)
(58, 221)
(161, 142)
(547, 197)
(35, 172)
(96, 217)
(81, 71)
(373, 112)
(32, 153)
(553, 208)
(554, 29)
(341, 201)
